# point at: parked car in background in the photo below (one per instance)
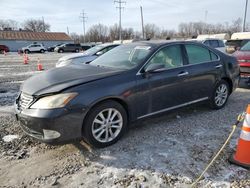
(68, 48)
(97, 101)
(3, 49)
(85, 47)
(243, 57)
(85, 57)
(234, 45)
(52, 48)
(214, 43)
(33, 48)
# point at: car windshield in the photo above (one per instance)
(246, 47)
(93, 50)
(123, 57)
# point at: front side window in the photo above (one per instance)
(197, 54)
(170, 57)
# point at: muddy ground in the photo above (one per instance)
(169, 150)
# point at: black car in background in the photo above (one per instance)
(98, 101)
(52, 48)
(68, 48)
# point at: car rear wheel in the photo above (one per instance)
(42, 51)
(26, 51)
(105, 124)
(77, 50)
(220, 95)
(60, 51)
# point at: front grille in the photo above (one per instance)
(24, 101)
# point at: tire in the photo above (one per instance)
(77, 50)
(60, 51)
(1, 51)
(26, 51)
(220, 95)
(42, 50)
(97, 127)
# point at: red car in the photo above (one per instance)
(243, 57)
(3, 48)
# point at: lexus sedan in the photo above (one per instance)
(98, 101)
(85, 57)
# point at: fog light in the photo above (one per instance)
(50, 134)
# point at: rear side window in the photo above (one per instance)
(214, 43)
(197, 54)
(221, 43)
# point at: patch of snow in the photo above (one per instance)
(9, 138)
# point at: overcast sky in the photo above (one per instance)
(164, 13)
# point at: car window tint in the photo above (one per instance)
(170, 57)
(206, 43)
(214, 57)
(197, 54)
(214, 43)
(221, 43)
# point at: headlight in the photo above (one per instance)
(54, 101)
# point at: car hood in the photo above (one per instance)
(58, 79)
(242, 55)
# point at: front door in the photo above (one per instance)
(167, 86)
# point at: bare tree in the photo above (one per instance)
(97, 33)
(114, 32)
(151, 31)
(36, 25)
(127, 33)
(9, 24)
(75, 37)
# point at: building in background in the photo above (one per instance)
(18, 39)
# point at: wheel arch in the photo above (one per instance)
(116, 99)
(230, 83)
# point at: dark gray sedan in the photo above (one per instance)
(97, 101)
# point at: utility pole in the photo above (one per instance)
(244, 23)
(142, 24)
(120, 7)
(68, 30)
(83, 19)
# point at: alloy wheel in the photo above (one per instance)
(221, 95)
(107, 125)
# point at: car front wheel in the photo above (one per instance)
(220, 95)
(42, 51)
(105, 124)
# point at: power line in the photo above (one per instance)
(120, 7)
(83, 18)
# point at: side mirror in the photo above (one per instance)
(99, 53)
(155, 68)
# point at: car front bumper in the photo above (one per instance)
(51, 126)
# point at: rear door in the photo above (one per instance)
(204, 70)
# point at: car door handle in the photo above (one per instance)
(183, 73)
(218, 66)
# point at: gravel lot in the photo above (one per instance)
(170, 150)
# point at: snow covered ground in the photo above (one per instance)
(169, 150)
